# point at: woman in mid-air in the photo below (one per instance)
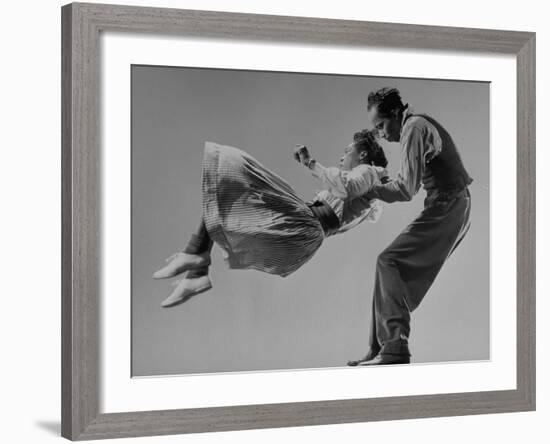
(260, 222)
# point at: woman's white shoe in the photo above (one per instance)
(187, 288)
(180, 262)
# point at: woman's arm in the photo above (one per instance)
(343, 184)
(346, 184)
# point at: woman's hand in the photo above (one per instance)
(301, 154)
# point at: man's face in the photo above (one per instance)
(388, 127)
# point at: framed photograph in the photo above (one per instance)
(278, 221)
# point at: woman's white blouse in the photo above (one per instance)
(344, 192)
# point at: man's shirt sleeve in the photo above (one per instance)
(408, 180)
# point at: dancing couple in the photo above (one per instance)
(260, 223)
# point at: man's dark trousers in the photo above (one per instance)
(406, 269)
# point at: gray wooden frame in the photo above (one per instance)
(81, 27)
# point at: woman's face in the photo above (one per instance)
(351, 158)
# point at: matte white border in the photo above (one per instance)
(121, 393)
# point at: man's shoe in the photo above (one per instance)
(369, 356)
(180, 262)
(186, 289)
(386, 359)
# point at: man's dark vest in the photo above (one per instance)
(445, 172)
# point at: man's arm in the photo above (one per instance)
(408, 180)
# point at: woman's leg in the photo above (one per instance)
(196, 279)
(195, 257)
(200, 241)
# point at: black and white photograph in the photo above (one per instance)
(263, 222)
(285, 220)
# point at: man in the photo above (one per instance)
(406, 269)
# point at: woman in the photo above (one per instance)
(260, 222)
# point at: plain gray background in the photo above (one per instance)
(319, 316)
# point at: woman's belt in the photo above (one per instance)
(326, 216)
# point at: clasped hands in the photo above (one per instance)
(302, 155)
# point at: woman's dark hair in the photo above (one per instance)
(365, 140)
(386, 100)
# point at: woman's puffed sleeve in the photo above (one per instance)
(346, 184)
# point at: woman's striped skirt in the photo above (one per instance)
(254, 215)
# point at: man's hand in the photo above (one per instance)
(301, 154)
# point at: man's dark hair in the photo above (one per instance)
(386, 99)
(365, 140)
